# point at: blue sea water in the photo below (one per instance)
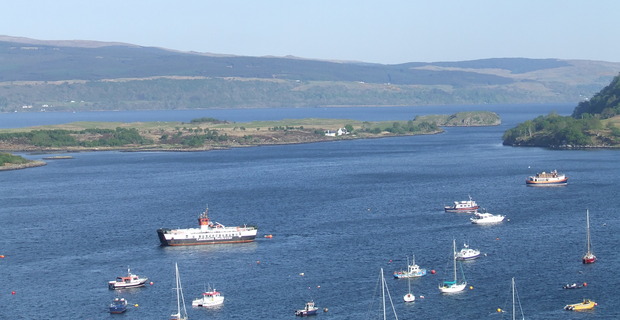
(338, 212)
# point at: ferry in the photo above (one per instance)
(552, 178)
(207, 233)
(466, 206)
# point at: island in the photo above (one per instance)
(209, 133)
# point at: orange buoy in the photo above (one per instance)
(585, 284)
(1, 256)
(269, 236)
(433, 271)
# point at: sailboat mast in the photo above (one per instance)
(383, 294)
(176, 267)
(588, 231)
(454, 257)
(514, 314)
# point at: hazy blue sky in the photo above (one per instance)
(381, 31)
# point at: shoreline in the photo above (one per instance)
(31, 164)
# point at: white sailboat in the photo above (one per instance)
(384, 291)
(409, 297)
(181, 313)
(455, 285)
(589, 257)
(515, 299)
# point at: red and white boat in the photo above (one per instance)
(589, 257)
(210, 298)
(466, 206)
(129, 281)
(552, 178)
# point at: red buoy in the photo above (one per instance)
(433, 271)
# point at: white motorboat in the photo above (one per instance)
(467, 253)
(486, 218)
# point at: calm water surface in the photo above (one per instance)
(338, 213)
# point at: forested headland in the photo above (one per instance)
(595, 123)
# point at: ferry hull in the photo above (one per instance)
(464, 210)
(194, 241)
(547, 183)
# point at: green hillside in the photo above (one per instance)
(594, 123)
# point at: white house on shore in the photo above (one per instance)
(339, 132)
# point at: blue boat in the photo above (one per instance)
(118, 305)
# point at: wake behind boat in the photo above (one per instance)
(552, 178)
(208, 233)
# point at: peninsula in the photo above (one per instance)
(209, 133)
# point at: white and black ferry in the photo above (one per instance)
(208, 233)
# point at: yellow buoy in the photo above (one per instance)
(499, 310)
(136, 305)
(471, 287)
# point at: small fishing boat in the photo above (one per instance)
(129, 281)
(118, 305)
(181, 313)
(413, 270)
(586, 304)
(309, 310)
(486, 218)
(589, 257)
(210, 298)
(467, 253)
(552, 178)
(454, 285)
(466, 206)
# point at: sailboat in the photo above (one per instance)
(589, 257)
(409, 297)
(515, 298)
(455, 285)
(181, 313)
(384, 290)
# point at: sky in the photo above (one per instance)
(380, 31)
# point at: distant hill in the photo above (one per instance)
(89, 75)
